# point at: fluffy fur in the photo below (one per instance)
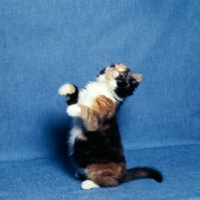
(95, 142)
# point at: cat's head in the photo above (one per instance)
(120, 78)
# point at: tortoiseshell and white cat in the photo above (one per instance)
(94, 138)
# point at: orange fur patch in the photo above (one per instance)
(107, 174)
(101, 109)
(104, 106)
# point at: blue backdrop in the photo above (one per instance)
(46, 43)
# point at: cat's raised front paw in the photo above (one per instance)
(74, 110)
(66, 89)
(88, 184)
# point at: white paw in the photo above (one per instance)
(74, 110)
(66, 89)
(88, 184)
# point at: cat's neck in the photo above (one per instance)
(101, 80)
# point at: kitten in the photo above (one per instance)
(95, 139)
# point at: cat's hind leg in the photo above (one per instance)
(71, 93)
(80, 174)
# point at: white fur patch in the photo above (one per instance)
(75, 131)
(88, 184)
(115, 74)
(74, 110)
(66, 89)
(96, 88)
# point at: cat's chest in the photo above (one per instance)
(91, 92)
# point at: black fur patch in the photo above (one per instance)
(126, 87)
(112, 66)
(100, 147)
(102, 71)
(142, 172)
(72, 98)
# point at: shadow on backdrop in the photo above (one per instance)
(58, 128)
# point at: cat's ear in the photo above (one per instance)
(137, 78)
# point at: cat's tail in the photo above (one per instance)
(142, 172)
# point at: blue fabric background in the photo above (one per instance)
(45, 43)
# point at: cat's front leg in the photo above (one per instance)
(90, 117)
(74, 110)
(71, 93)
